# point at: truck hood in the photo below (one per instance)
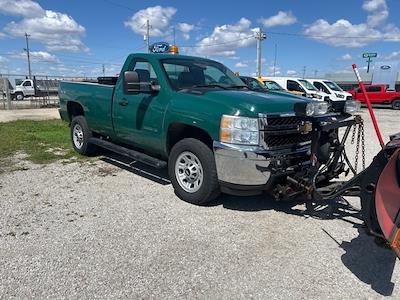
(250, 103)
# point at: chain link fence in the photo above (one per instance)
(19, 92)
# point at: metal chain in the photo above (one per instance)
(357, 147)
(362, 144)
(358, 129)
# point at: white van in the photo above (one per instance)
(301, 87)
(331, 88)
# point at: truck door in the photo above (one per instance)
(375, 94)
(27, 88)
(138, 117)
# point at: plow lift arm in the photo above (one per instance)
(378, 186)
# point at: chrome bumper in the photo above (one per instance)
(246, 165)
(241, 165)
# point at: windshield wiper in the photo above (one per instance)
(209, 85)
(238, 86)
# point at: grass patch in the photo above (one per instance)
(42, 141)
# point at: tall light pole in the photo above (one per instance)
(28, 55)
(260, 36)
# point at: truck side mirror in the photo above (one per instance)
(131, 82)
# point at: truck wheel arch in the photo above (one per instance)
(74, 109)
(179, 131)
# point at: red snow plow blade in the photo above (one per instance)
(387, 201)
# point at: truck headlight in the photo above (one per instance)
(317, 96)
(352, 106)
(239, 130)
(320, 108)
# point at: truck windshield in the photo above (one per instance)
(190, 73)
(307, 85)
(333, 86)
(273, 86)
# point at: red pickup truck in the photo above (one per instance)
(378, 94)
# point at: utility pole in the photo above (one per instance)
(260, 36)
(304, 71)
(276, 50)
(315, 73)
(147, 37)
(104, 70)
(28, 55)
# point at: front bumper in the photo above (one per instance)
(249, 167)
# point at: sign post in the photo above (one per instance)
(369, 56)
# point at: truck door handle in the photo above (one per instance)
(123, 102)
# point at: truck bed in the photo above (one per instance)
(96, 100)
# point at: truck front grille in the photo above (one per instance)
(284, 132)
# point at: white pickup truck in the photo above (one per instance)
(25, 89)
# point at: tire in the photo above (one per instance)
(19, 96)
(396, 104)
(196, 159)
(80, 135)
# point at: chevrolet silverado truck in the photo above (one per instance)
(378, 94)
(194, 116)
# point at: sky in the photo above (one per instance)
(76, 38)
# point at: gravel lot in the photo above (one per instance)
(102, 230)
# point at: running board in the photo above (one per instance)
(136, 155)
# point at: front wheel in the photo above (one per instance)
(19, 96)
(192, 171)
(396, 104)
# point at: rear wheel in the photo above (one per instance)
(80, 135)
(396, 104)
(192, 170)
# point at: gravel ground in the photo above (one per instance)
(102, 230)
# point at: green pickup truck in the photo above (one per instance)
(196, 117)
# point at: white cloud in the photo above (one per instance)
(291, 72)
(378, 12)
(185, 28)
(282, 18)
(345, 57)
(3, 59)
(241, 65)
(274, 71)
(391, 33)
(37, 56)
(57, 31)
(24, 8)
(159, 18)
(395, 55)
(226, 39)
(342, 33)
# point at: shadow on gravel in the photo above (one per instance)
(368, 258)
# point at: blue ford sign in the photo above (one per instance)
(160, 47)
(385, 67)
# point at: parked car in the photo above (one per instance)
(301, 87)
(194, 116)
(378, 94)
(256, 85)
(331, 88)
